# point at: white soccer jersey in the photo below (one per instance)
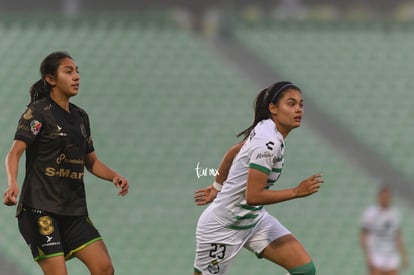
(263, 151)
(382, 226)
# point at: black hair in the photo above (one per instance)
(49, 66)
(271, 94)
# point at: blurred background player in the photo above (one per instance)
(381, 238)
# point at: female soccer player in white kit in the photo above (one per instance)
(236, 217)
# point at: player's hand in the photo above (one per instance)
(121, 183)
(10, 196)
(309, 186)
(205, 195)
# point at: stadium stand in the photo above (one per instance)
(160, 102)
(358, 73)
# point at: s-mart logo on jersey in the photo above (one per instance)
(205, 172)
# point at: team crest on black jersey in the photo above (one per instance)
(35, 127)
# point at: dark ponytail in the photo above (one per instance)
(271, 94)
(41, 88)
(261, 112)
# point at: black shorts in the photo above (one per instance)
(50, 235)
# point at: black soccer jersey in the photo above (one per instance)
(57, 144)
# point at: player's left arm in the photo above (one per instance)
(99, 169)
(258, 194)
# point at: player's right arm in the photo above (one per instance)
(12, 165)
(206, 195)
(226, 162)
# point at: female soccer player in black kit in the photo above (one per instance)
(52, 212)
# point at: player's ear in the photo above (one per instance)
(273, 109)
(50, 79)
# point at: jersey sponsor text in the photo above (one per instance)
(64, 173)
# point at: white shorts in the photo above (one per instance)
(385, 262)
(217, 245)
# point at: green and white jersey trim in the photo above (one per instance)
(262, 151)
